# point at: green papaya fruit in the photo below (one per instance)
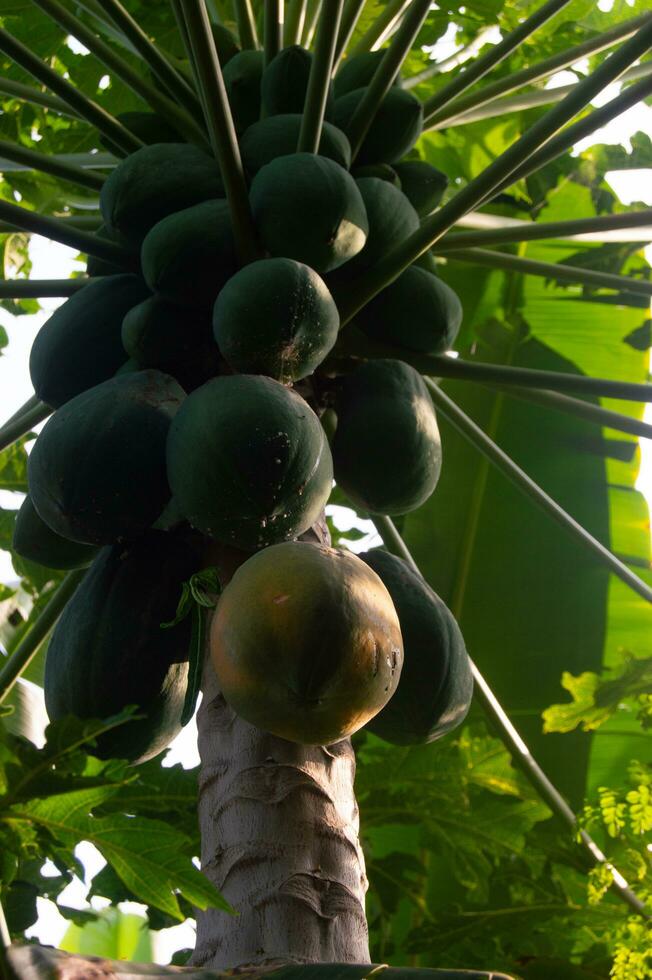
(172, 339)
(242, 79)
(100, 267)
(248, 461)
(277, 136)
(436, 685)
(225, 43)
(35, 541)
(188, 256)
(382, 171)
(147, 126)
(394, 131)
(285, 82)
(108, 649)
(80, 344)
(417, 311)
(391, 219)
(275, 317)
(423, 184)
(308, 208)
(386, 449)
(97, 470)
(154, 182)
(356, 71)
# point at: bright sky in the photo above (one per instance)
(51, 261)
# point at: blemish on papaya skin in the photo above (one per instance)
(278, 599)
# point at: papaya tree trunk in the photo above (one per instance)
(279, 830)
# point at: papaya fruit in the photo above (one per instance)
(308, 208)
(97, 470)
(108, 649)
(248, 461)
(172, 339)
(225, 43)
(285, 82)
(188, 256)
(306, 643)
(391, 219)
(417, 311)
(153, 182)
(386, 448)
(394, 131)
(423, 184)
(356, 71)
(382, 171)
(80, 344)
(147, 126)
(275, 317)
(243, 75)
(277, 136)
(436, 685)
(35, 541)
(100, 267)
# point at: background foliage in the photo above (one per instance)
(466, 866)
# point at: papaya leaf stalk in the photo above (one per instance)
(15, 664)
(534, 231)
(320, 77)
(48, 164)
(350, 14)
(160, 65)
(39, 288)
(512, 740)
(294, 21)
(273, 28)
(246, 21)
(89, 110)
(20, 425)
(34, 96)
(385, 74)
(220, 126)
(435, 226)
(31, 403)
(63, 231)
(557, 272)
(542, 69)
(382, 26)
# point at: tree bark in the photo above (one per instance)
(279, 830)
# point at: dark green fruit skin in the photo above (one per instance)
(422, 183)
(35, 541)
(172, 339)
(188, 256)
(417, 311)
(248, 462)
(153, 182)
(382, 171)
(108, 650)
(308, 208)
(436, 685)
(285, 82)
(391, 218)
(97, 470)
(225, 43)
(275, 317)
(277, 136)
(242, 79)
(386, 450)
(394, 131)
(357, 71)
(100, 267)
(147, 126)
(80, 345)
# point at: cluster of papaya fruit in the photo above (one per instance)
(188, 393)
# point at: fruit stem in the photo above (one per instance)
(220, 125)
(535, 73)
(20, 424)
(38, 288)
(175, 83)
(93, 113)
(385, 74)
(436, 225)
(244, 16)
(438, 106)
(18, 661)
(320, 78)
(61, 230)
(273, 29)
(160, 103)
(556, 271)
(48, 164)
(382, 28)
(350, 14)
(511, 738)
